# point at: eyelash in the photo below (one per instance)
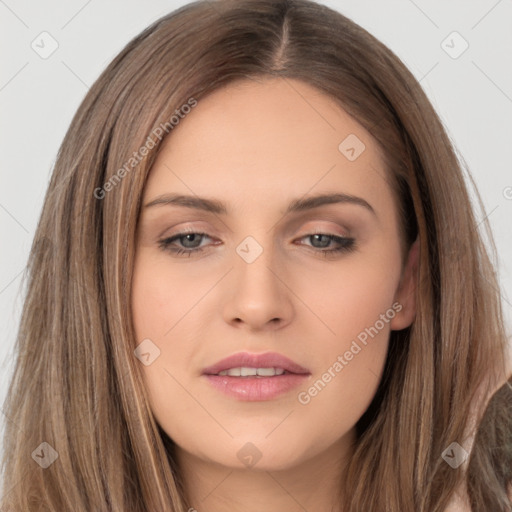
(347, 244)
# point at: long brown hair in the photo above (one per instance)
(77, 385)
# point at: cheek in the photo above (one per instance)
(163, 295)
(352, 296)
(356, 303)
(162, 303)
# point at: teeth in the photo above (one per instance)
(252, 372)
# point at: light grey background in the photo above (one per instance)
(38, 97)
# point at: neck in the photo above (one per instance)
(310, 484)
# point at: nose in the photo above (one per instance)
(258, 295)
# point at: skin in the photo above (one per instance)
(257, 145)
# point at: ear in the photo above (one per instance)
(406, 292)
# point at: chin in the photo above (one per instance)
(259, 454)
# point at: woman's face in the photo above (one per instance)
(258, 278)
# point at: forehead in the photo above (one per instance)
(252, 140)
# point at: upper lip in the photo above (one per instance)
(247, 360)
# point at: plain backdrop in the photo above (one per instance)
(53, 51)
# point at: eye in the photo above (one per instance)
(344, 244)
(188, 239)
(190, 242)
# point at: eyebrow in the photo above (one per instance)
(297, 205)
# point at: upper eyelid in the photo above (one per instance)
(282, 225)
(308, 231)
(198, 231)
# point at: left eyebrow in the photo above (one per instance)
(297, 205)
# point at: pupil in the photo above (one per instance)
(326, 239)
(187, 239)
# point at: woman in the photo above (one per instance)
(332, 341)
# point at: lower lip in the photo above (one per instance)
(255, 389)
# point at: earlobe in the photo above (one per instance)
(406, 292)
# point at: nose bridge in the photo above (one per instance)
(256, 261)
(259, 295)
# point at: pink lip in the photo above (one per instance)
(253, 389)
(256, 388)
(266, 360)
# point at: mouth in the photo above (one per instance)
(255, 377)
(244, 364)
(245, 372)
